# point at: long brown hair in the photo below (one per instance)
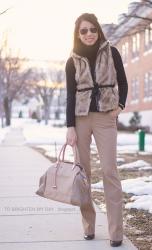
(92, 19)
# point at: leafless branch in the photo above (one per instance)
(3, 12)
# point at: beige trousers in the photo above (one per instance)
(103, 127)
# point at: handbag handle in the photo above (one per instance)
(62, 154)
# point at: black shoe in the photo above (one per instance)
(89, 237)
(115, 243)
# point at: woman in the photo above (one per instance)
(96, 94)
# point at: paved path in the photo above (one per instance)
(29, 222)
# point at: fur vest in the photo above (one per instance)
(105, 87)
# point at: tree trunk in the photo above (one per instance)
(7, 111)
(2, 122)
(45, 116)
(46, 110)
(1, 116)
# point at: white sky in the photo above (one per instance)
(43, 29)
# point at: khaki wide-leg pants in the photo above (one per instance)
(103, 127)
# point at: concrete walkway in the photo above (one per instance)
(29, 222)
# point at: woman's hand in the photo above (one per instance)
(71, 136)
(114, 113)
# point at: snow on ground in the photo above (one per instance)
(141, 202)
(138, 186)
(3, 133)
(120, 160)
(132, 149)
(140, 165)
(51, 138)
(97, 186)
(39, 133)
(54, 150)
(141, 187)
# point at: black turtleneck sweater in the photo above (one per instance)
(71, 82)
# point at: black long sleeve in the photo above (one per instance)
(121, 76)
(71, 86)
(71, 90)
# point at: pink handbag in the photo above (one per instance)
(65, 181)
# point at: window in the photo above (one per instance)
(135, 90)
(148, 86)
(148, 37)
(135, 45)
(125, 52)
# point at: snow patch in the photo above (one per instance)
(140, 164)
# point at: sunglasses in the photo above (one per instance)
(84, 31)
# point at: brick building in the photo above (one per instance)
(133, 38)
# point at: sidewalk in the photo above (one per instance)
(29, 222)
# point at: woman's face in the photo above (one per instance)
(87, 33)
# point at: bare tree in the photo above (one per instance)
(45, 82)
(4, 11)
(1, 100)
(12, 81)
(46, 93)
